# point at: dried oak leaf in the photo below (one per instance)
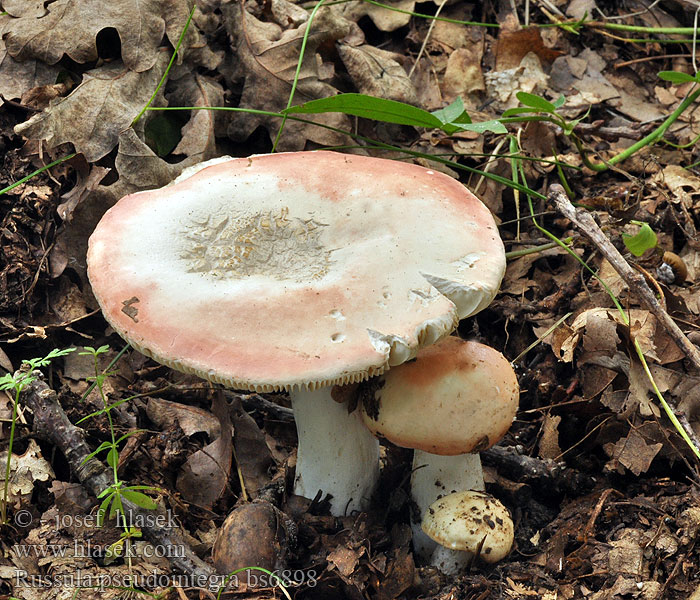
(97, 111)
(253, 456)
(71, 27)
(203, 478)
(190, 419)
(84, 187)
(198, 134)
(26, 469)
(633, 452)
(513, 45)
(24, 8)
(378, 73)
(384, 18)
(266, 58)
(139, 168)
(16, 77)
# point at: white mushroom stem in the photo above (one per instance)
(337, 454)
(450, 562)
(434, 477)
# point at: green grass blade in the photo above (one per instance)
(369, 107)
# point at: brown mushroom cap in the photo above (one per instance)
(457, 397)
(294, 270)
(460, 521)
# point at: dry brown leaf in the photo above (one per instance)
(632, 100)
(204, 477)
(463, 73)
(601, 334)
(25, 470)
(518, 277)
(528, 77)
(627, 556)
(642, 328)
(189, 418)
(97, 111)
(512, 47)
(549, 439)
(683, 184)
(82, 188)
(640, 393)
(384, 18)
(266, 58)
(140, 168)
(633, 452)
(67, 302)
(253, 456)
(17, 77)
(378, 73)
(24, 8)
(582, 74)
(71, 26)
(198, 135)
(611, 278)
(344, 559)
(287, 14)
(596, 379)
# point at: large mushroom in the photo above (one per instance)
(457, 398)
(298, 272)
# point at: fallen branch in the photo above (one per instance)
(52, 425)
(636, 282)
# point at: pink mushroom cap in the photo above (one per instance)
(294, 270)
(457, 397)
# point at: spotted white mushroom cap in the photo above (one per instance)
(294, 270)
(457, 397)
(460, 521)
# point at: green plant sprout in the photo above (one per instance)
(451, 119)
(113, 496)
(645, 239)
(16, 383)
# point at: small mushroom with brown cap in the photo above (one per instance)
(467, 523)
(298, 272)
(456, 399)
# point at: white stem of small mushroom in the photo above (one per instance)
(336, 454)
(450, 562)
(432, 478)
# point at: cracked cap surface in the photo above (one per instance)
(294, 270)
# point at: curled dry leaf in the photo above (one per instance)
(204, 477)
(633, 452)
(378, 73)
(71, 27)
(16, 77)
(25, 469)
(266, 59)
(198, 134)
(643, 329)
(97, 111)
(83, 187)
(252, 453)
(191, 419)
(514, 45)
(385, 19)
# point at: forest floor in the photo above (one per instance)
(609, 506)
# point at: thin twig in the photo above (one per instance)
(52, 425)
(636, 282)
